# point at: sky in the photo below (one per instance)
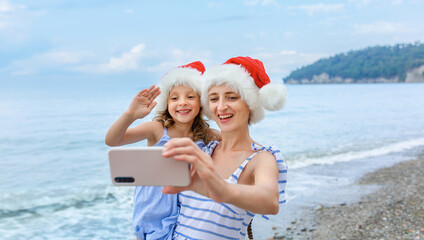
(92, 42)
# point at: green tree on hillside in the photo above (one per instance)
(372, 62)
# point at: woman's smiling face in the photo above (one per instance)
(228, 109)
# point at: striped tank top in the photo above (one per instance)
(203, 218)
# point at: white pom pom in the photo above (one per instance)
(273, 96)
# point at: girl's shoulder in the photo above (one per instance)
(154, 125)
(156, 130)
(215, 134)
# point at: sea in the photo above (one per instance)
(55, 178)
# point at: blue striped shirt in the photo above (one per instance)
(203, 218)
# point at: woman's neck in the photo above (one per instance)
(238, 140)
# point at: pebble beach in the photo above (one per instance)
(395, 210)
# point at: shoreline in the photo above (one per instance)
(395, 210)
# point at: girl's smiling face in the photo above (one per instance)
(183, 104)
(229, 111)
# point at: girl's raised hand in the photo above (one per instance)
(143, 103)
(205, 179)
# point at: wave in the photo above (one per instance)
(349, 156)
(46, 201)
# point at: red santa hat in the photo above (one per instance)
(248, 78)
(189, 75)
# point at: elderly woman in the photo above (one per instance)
(235, 178)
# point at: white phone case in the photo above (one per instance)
(145, 166)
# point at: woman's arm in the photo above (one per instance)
(142, 104)
(261, 197)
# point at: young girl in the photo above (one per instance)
(178, 114)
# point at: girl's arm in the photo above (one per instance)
(141, 106)
(261, 198)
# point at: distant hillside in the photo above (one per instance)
(399, 63)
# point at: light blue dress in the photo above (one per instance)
(155, 214)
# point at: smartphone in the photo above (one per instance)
(145, 166)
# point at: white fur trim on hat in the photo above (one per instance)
(179, 76)
(271, 96)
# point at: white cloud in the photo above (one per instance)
(287, 52)
(126, 62)
(251, 2)
(380, 27)
(331, 21)
(279, 65)
(318, 8)
(366, 3)
(270, 3)
(216, 5)
(262, 3)
(5, 6)
(288, 34)
(3, 23)
(68, 61)
(397, 2)
(178, 57)
(66, 57)
(7, 11)
(361, 3)
(255, 37)
(46, 62)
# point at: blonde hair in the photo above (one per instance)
(200, 128)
